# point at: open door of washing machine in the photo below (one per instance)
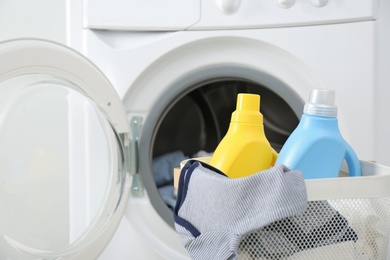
(63, 139)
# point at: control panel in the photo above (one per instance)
(239, 14)
(176, 15)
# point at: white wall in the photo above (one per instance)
(382, 97)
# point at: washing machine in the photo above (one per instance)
(87, 119)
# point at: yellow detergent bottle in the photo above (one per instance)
(244, 150)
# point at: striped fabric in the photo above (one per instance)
(214, 212)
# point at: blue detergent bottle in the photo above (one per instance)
(316, 146)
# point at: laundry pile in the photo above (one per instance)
(263, 216)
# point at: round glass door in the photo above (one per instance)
(61, 168)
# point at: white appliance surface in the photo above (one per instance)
(151, 52)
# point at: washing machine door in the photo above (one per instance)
(62, 140)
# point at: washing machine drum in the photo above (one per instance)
(62, 175)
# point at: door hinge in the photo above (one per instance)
(137, 187)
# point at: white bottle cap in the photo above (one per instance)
(321, 103)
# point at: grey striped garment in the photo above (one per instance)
(213, 212)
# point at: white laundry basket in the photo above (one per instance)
(346, 218)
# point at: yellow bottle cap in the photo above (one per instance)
(247, 109)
